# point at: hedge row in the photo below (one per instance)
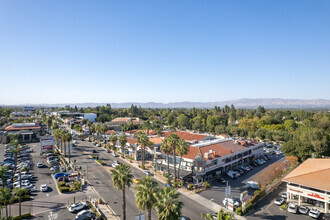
(24, 216)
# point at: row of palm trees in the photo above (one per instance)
(148, 195)
(63, 139)
(177, 146)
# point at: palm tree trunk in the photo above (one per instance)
(65, 148)
(149, 214)
(20, 206)
(174, 162)
(168, 165)
(124, 203)
(179, 167)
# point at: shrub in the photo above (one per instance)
(248, 207)
(24, 216)
(239, 211)
(283, 207)
(165, 175)
(191, 186)
(168, 181)
(206, 185)
(61, 183)
(101, 162)
(64, 189)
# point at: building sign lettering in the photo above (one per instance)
(315, 195)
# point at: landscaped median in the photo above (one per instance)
(97, 160)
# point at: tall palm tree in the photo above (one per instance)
(5, 196)
(122, 142)
(20, 192)
(122, 177)
(56, 134)
(166, 149)
(16, 152)
(3, 175)
(49, 122)
(222, 215)
(61, 136)
(173, 142)
(168, 204)
(145, 195)
(182, 149)
(68, 140)
(144, 141)
(113, 141)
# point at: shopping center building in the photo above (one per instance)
(309, 184)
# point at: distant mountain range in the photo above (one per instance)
(238, 103)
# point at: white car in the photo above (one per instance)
(114, 154)
(40, 165)
(293, 208)
(77, 206)
(279, 201)
(252, 185)
(44, 188)
(284, 195)
(314, 213)
(303, 210)
(83, 212)
(114, 165)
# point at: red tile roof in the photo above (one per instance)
(156, 140)
(131, 141)
(110, 132)
(135, 131)
(186, 135)
(11, 128)
(218, 150)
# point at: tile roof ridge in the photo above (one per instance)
(328, 168)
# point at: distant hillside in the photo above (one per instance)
(239, 103)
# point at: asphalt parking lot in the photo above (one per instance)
(217, 191)
(41, 176)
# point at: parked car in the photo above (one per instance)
(314, 213)
(44, 188)
(94, 151)
(83, 212)
(40, 165)
(114, 154)
(284, 195)
(279, 201)
(252, 185)
(221, 180)
(114, 165)
(303, 210)
(60, 174)
(107, 150)
(77, 206)
(293, 208)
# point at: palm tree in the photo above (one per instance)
(168, 204)
(122, 177)
(16, 152)
(122, 142)
(145, 194)
(56, 134)
(183, 148)
(173, 142)
(61, 136)
(20, 192)
(3, 175)
(221, 216)
(166, 149)
(147, 126)
(49, 122)
(69, 139)
(144, 141)
(113, 141)
(5, 196)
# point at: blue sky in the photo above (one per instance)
(163, 51)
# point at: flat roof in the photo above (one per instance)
(314, 173)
